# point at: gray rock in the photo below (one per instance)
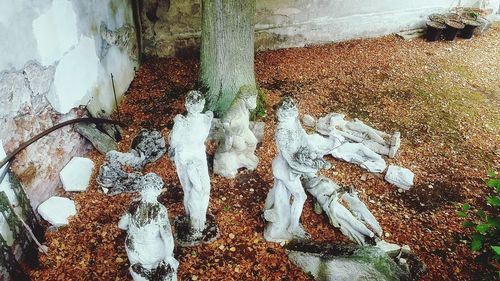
(112, 130)
(101, 141)
(326, 261)
(114, 175)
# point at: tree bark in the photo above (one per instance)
(227, 50)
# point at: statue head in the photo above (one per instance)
(248, 95)
(151, 186)
(287, 109)
(195, 102)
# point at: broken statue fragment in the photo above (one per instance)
(187, 149)
(400, 177)
(122, 171)
(149, 243)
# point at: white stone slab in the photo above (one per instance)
(400, 177)
(56, 210)
(75, 176)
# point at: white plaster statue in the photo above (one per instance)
(358, 223)
(187, 148)
(334, 124)
(297, 156)
(358, 153)
(361, 212)
(237, 148)
(149, 243)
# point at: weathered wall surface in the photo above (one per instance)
(171, 26)
(57, 55)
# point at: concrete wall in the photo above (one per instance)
(57, 55)
(169, 27)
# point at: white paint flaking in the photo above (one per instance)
(55, 31)
(76, 75)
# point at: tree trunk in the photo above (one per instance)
(227, 50)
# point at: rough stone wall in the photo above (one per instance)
(57, 56)
(170, 27)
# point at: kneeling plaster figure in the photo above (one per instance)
(237, 149)
(187, 148)
(149, 243)
(297, 156)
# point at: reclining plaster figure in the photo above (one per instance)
(352, 223)
(149, 243)
(334, 124)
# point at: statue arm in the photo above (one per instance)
(228, 137)
(166, 235)
(175, 136)
(283, 138)
(208, 118)
(124, 221)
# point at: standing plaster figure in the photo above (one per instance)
(297, 156)
(187, 148)
(149, 243)
(237, 149)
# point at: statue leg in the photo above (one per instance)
(270, 197)
(299, 198)
(182, 173)
(200, 195)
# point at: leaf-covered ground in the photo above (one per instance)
(443, 97)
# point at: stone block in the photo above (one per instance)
(56, 210)
(400, 177)
(75, 176)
